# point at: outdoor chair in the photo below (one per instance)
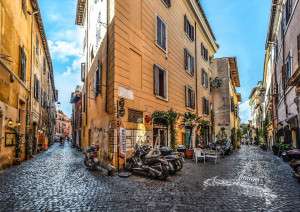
(212, 154)
(199, 153)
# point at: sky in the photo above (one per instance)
(240, 27)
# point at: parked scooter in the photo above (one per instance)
(91, 160)
(293, 156)
(148, 163)
(175, 159)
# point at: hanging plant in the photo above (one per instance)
(172, 119)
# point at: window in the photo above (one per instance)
(189, 29)
(189, 97)
(135, 116)
(161, 33)
(36, 88)
(24, 6)
(288, 10)
(22, 64)
(189, 62)
(37, 45)
(167, 3)
(298, 48)
(205, 106)
(288, 69)
(204, 78)
(160, 82)
(82, 72)
(98, 80)
(204, 52)
(44, 66)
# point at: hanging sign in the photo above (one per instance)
(123, 142)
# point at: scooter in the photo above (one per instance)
(148, 164)
(174, 158)
(92, 163)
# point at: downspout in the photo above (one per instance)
(107, 56)
(196, 78)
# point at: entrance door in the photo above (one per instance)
(188, 137)
(161, 135)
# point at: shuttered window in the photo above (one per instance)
(22, 64)
(98, 80)
(204, 52)
(161, 33)
(189, 62)
(288, 69)
(204, 78)
(205, 103)
(167, 3)
(189, 29)
(189, 97)
(82, 72)
(36, 89)
(160, 82)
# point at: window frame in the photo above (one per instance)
(190, 100)
(206, 106)
(23, 64)
(189, 29)
(204, 79)
(167, 4)
(156, 34)
(156, 90)
(187, 56)
(98, 80)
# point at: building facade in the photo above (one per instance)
(63, 127)
(143, 56)
(76, 101)
(283, 46)
(226, 99)
(27, 91)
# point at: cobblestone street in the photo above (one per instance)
(56, 180)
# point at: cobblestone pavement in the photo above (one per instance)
(56, 180)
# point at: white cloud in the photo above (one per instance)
(245, 112)
(63, 50)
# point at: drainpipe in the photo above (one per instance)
(107, 56)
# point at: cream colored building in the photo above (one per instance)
(27, 91)
(153, 54)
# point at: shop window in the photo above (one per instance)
(189, 97)
(160, 82)
(161, 33)
(135, 116)
(189, 62)
(189, 29)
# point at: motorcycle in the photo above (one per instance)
(92, 163)
(293, 157)
(148, 163)
(175, 159)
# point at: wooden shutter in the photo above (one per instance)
(165, 84)
(193, 66)
(163, 35)
(192, 33)
(185, 59)
(186, 96)
(100, 78)
(155, 80)
(193, 100)
(185, 24)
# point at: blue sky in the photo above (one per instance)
(240, 27)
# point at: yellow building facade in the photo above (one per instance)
(154, 56)
(26, 81)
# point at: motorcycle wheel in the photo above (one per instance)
(172, 167)
(129, 165)
(164, 172)
(179, 165)
(89, 165)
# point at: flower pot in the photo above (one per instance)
(189, 153)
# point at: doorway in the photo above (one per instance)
(161, 136)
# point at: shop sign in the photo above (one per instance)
(126, 93)
(122, 141)
(10, 139)
(135, 116)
